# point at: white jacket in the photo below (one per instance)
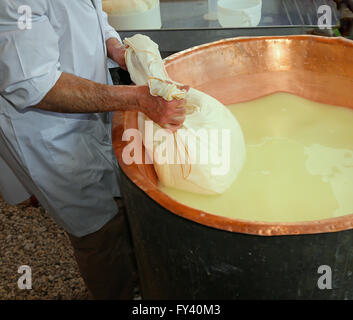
(66, 160)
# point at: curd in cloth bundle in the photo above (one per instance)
(128, 6)
(207, 154)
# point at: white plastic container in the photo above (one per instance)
(212, 10)
(149, 19)
(239, 13)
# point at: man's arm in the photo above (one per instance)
(115, 48)
(116, 52)
(72, 94)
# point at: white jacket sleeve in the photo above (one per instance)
(29, 58)
(109, 31)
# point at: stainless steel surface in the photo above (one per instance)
(183, 25)
(190, 14)
(176, 40)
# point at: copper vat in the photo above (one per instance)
(220, 253)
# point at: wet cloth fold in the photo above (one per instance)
(207, 154)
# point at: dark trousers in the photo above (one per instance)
(106, 260)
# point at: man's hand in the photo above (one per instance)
(116, 52)
(169, 115)
(72, 94)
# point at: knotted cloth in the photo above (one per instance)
(207, 154)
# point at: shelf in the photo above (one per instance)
(184, 26)
(189, 14)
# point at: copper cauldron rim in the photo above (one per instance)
(240, 39)
(233, 225)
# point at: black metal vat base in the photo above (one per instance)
(181, 259)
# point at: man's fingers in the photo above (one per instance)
(186, 88)
(178, 103)
(183, 102)
(180, 111)
(177, 119)
(172, 127)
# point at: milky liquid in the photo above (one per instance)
(299, 163)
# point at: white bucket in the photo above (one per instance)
(239, 13)
(150, 19)
(212, 10)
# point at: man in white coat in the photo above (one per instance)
(56, 99)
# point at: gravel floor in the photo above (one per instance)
(28, 236)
